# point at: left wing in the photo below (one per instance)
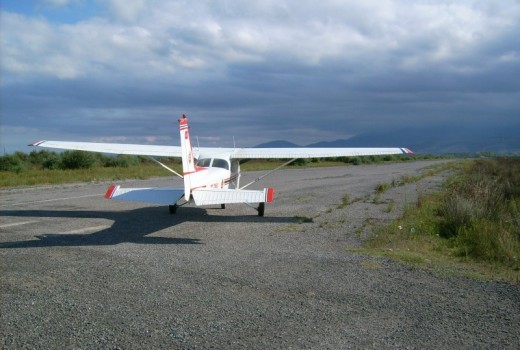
(114, 148)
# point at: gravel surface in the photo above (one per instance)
(80, 272)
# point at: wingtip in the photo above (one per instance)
(110, 191)
(36, 143)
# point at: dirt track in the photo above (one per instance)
(80, 272)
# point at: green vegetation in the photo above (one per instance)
(45, 167)
(344, 201)
(303, 219)
(471, 225)
(382, 188)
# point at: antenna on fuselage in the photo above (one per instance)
(198, 146)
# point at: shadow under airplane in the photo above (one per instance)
(131, 226)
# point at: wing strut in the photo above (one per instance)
(166, 167)
(268, 173)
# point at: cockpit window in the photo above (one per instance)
(217, 163)
(204, 162)
(220, 163)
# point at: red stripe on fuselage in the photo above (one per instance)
(197, 170)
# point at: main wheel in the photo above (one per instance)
(172, 208)
(261, 209)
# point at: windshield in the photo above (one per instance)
(220, 163)
(205, 162)
(217, 163)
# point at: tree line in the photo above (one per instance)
(20, 161)
(68, 160)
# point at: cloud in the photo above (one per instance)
(127, 10)
(58, 2)
(160, 37)
(340, 67)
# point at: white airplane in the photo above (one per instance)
(211, 175)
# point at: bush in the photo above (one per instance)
(479, 211)
(299, 162)
(77, 160)
(13, 163)
(45, 159)
(122, 160)
(51, 162)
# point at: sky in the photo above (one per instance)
(296, 70)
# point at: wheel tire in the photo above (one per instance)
(222, 206)
(261, 209)
(172, 208)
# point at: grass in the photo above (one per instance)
(98, 174)
(344, 201)
(382, 188)
(33, 176)
(471, 226)
(299, 221)
(34, 169)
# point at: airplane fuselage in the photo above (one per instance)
(215, 173)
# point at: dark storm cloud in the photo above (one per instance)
(283, 70)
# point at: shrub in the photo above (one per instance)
(382, 187)
(13, 162)
(299, 162)
(77, 160)
(122, 160)
(44, 159)
(479, 210)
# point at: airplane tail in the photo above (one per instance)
(188, 161)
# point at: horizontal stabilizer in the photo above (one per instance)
(165, 196)
(211, 196)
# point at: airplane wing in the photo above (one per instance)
(233, 153)
(262, 153)
(115, 148)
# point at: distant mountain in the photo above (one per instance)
(277, 144)
(437, 140)
(434, 140)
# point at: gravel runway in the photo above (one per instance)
(81, 272)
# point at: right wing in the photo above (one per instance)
(303, 152)
(300, 152)
(114, 148)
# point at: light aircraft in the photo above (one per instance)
(211, 175)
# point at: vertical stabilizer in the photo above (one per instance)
(188, 161)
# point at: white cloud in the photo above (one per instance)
(345, 60)
(58, 2)
(161, 37)
(127, 10)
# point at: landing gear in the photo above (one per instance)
(261, 209)
(173, 208)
